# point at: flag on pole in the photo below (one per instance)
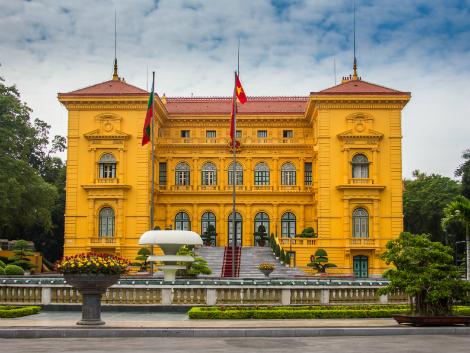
(239, 94)
(148, 118)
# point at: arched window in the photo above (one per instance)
(106, 227)
(208, 223)
(360, 219)
(182, 221)
(261, 174)
(107, 165)
(238, 173)
(209, 174)
(238, 228)
(360, 166)
(288, 174)
(182, 176)
(288, 225)
(262, 218)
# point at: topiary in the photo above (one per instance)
(13, 270)
(2, 264)
(2, 271)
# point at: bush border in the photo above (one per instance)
(7, 312)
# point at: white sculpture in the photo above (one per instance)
(170, 241)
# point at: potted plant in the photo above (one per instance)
(319, 261)
(308, 232)
(193, 269)
(91, 274)
(261, 235)
(142, 256)
(266, 268)
(426, 272)
(209, 236)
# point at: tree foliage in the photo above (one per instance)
(463, 171)
(195, 268)
(21, 251)
(32, 180)
(424, 199)
(319, 261)
(425, 271)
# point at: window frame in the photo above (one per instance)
(288, 225)
(106, 223)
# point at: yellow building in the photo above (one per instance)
(330, 160)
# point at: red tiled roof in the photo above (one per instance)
(223, 105)
(108, 88)
(359, 87)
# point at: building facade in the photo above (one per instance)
(330, 160)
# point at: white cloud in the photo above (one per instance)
(421, 46)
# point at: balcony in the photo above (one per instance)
(262, 188)
(181, 187)
(362, 243)
(208, 187)
(289, 188)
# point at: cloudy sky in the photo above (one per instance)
(287, 48)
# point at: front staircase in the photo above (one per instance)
(227, 266)
(219, 259)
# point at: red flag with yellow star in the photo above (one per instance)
(239, 94)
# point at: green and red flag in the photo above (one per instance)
(148, 118)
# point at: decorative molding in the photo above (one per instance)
(112, 135)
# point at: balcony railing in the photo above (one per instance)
(289, 188)
(225, 141)
(106, 180)
(298, 242)
(254, 188)
(103, 241)
(262, 187)
(362, 242)
(361, 181)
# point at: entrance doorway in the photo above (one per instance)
(361, 266)
(238, 229)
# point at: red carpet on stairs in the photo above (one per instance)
(227, 264)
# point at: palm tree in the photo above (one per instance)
(459, 210)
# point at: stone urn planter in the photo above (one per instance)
(92, 274)
(266, 268)
(91, 286)
(266, 272)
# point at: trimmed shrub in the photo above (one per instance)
(18, 311)
(2, 264)
(13, 270)
(320, 312)
(2, 271)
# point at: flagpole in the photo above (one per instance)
(152, 195)
(234, 180)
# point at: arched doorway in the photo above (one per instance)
(238, 229)
(261, 219)
(361, 266)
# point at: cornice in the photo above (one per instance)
(360, 187)
(90, 187)
(97, 135)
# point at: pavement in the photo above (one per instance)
(382, 344)
(49, 324)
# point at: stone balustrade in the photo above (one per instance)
(54, 291)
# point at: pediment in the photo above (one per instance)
(98, 134)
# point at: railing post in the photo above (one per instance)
(325, 297)
(384, 299)
(211, 296)
(46, 295)
(285, 296)
(167, 296)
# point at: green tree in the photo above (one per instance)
(424, 199)
(32, 180)
(209, 235)
(459, 211)
(425, 271)
(320, 261)
(21, 251)
(195, 268)
(142, 256)
(463, 171)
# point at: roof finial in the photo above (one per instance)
(354, 42)
(115, 73)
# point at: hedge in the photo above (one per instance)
(320, 312)
(18, 311)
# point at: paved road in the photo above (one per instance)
(386, 344)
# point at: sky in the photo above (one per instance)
(287, 48)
